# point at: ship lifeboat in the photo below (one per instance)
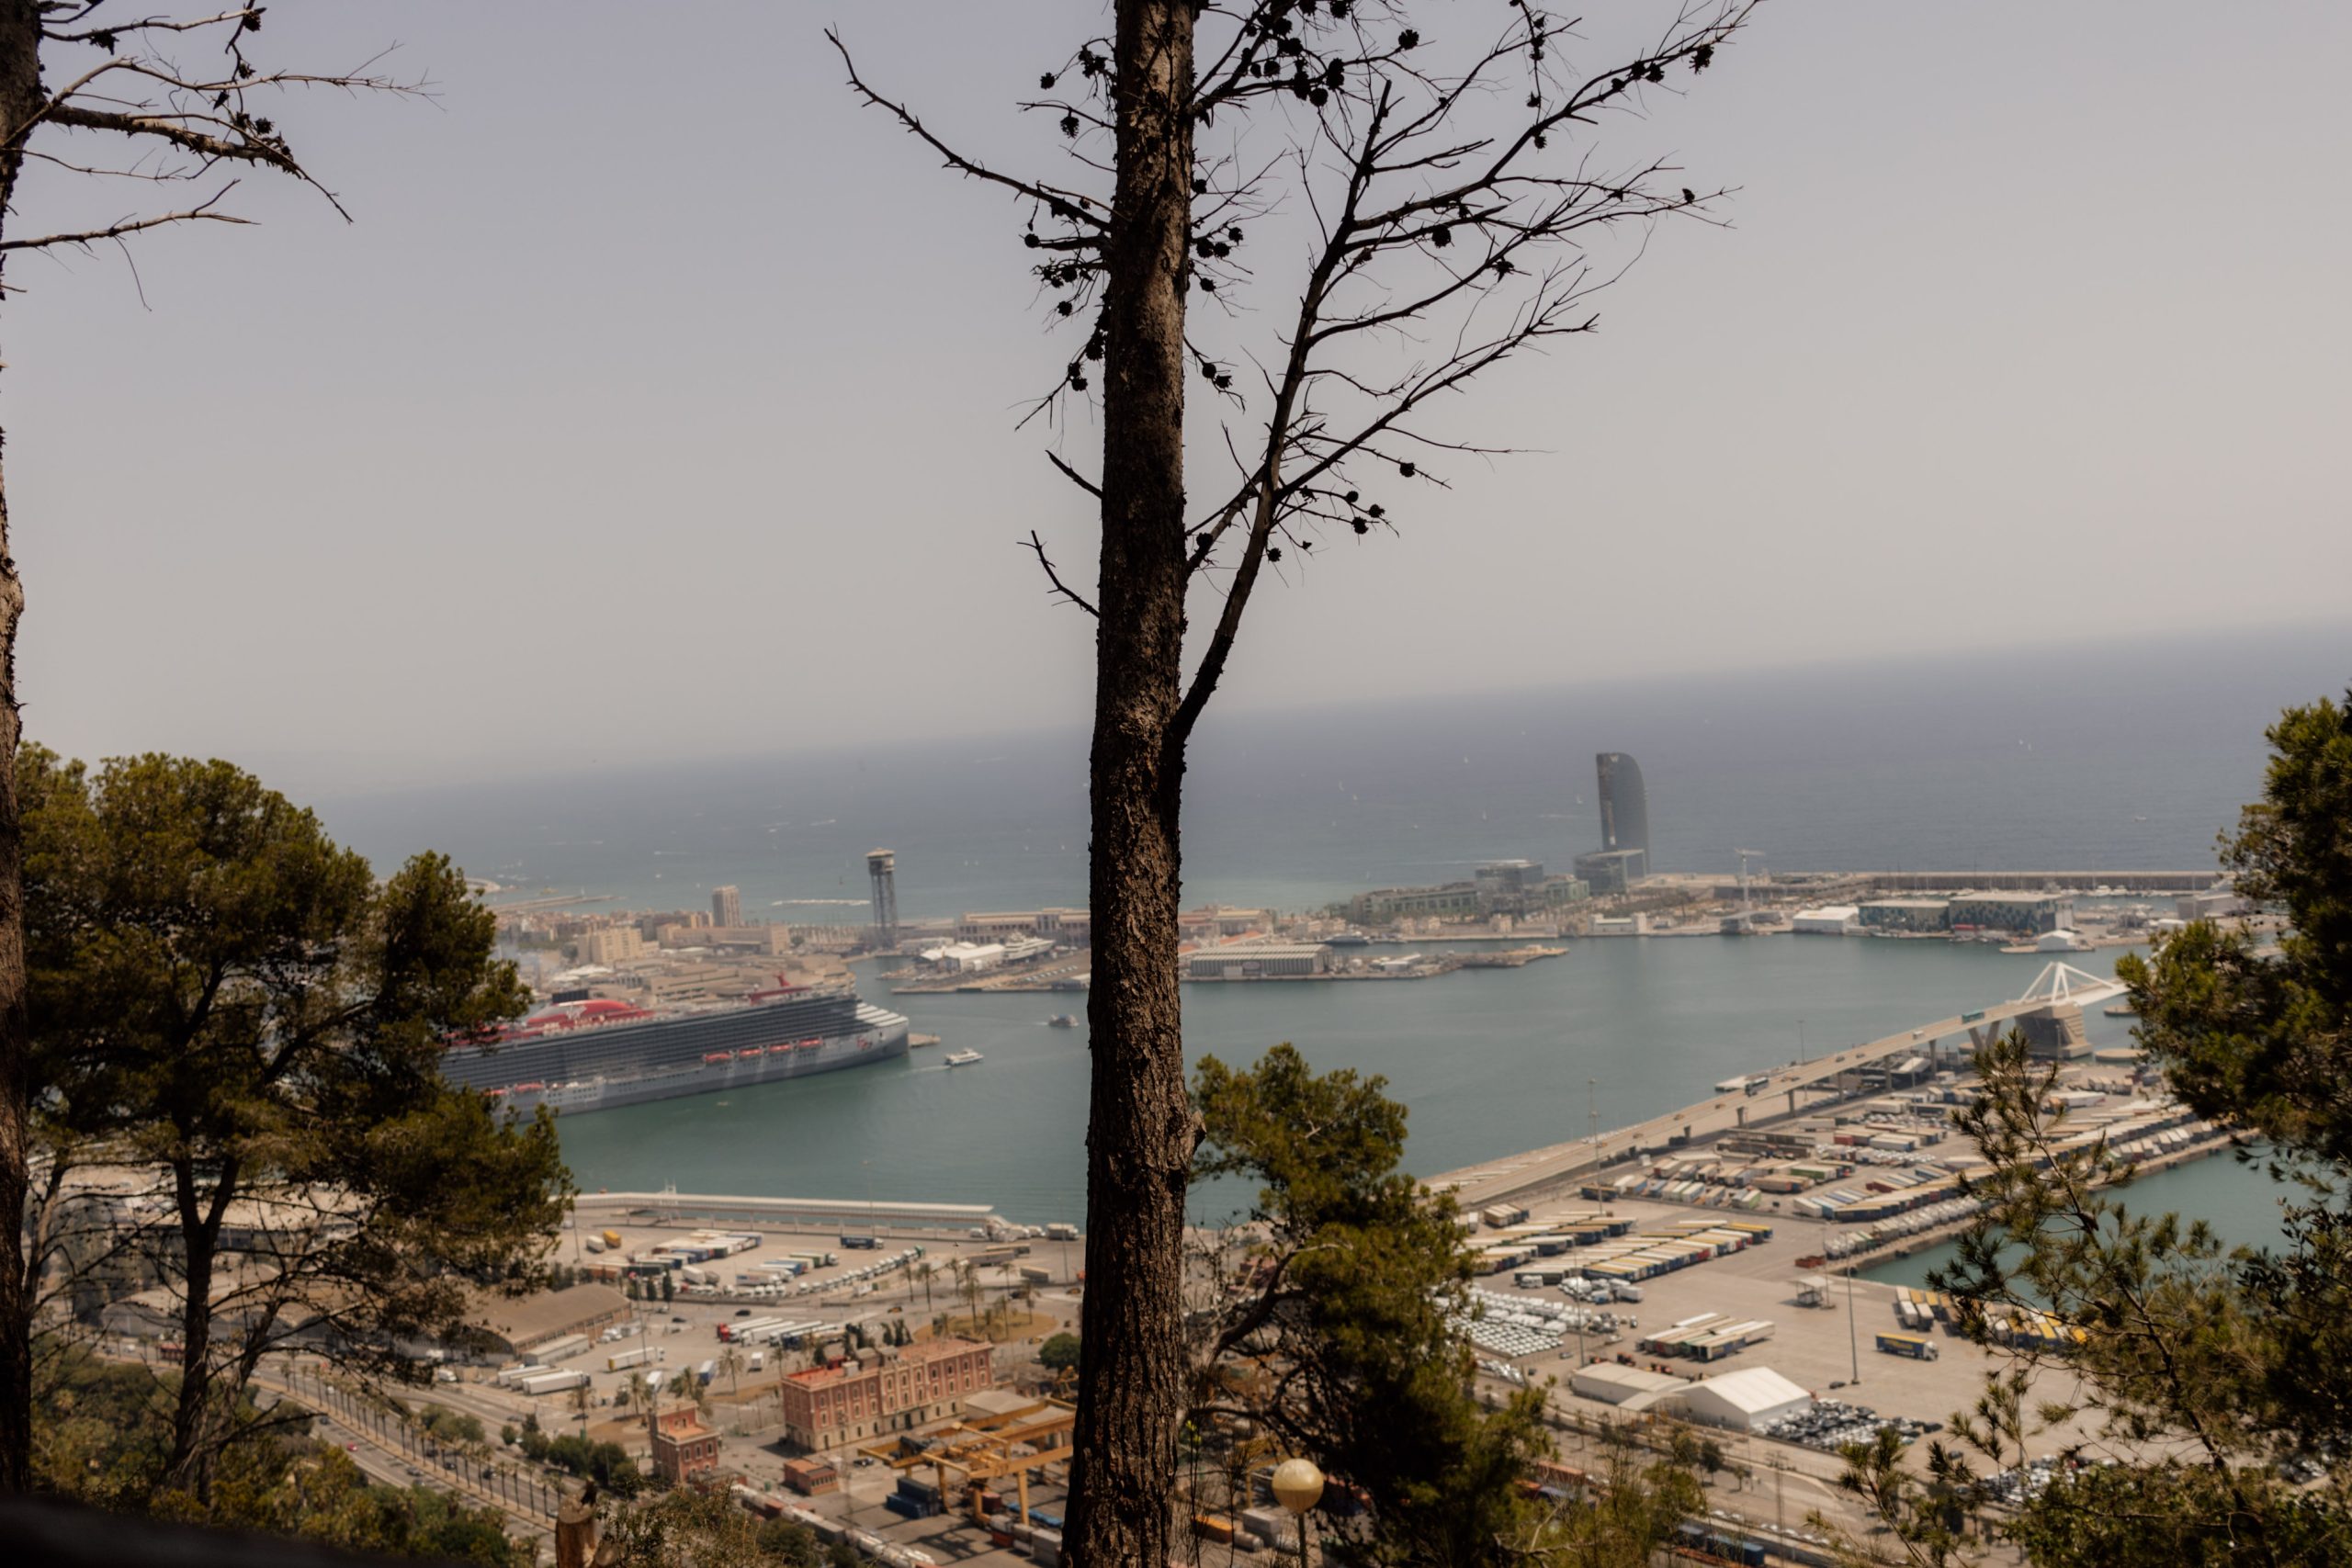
(495, 1093)
(528, 1088)
(718, 1056)
(777, 1050)
(808, 1044)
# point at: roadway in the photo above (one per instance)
(394, 1451)
(1545, 1170)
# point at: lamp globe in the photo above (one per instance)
(1298, 1485)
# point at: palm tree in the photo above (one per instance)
(968, 1286)
(923, 1271)
(731, 1358)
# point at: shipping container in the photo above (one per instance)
(1912, 1344)
(551, 1382)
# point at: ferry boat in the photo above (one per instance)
(595, 1053)
(963, 1058)
(1062, 1020)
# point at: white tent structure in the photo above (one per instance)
(1745, 1399)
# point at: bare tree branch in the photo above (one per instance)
(201, 211)
(1053, 577)
(1081, 208)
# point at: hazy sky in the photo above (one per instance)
(660, 401)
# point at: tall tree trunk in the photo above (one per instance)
(21, 98)
(190, 1465)
(1140, 1131)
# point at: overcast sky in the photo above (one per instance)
(659, 400)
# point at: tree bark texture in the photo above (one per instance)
(21, 98)
(1140, 1126)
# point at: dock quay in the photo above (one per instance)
(1783, 1093)
(671, 1207)
(2036, 881)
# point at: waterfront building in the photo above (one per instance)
(727, 905)
(1909, 915)
(1624, 804)
(889, 1390)
(1509, 887)
(1499, 888)
(1454, 901)
(683, 1445)
(1612, 871)
(1069, 927)
(1830, 920)
(2028, 914)
(1257, 960)
(1211, 920)
(2212, 904)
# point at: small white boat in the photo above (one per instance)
(963, 1058)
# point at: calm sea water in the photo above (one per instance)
(1489, 1062)
(2240, 1202)
(2124, 756)
(2118, 757)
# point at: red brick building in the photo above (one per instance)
(683, 1445)
(884, 1391)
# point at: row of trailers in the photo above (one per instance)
(1921, 1312)
(1677, 1245)
(789, 1332)
(1709, 1337)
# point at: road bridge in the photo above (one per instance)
(1782, 1095)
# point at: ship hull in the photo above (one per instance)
(574, 1081)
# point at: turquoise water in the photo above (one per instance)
(1490, 1062)
(2240, 1202)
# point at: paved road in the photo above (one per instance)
(378, 1449)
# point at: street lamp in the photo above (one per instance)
(1299, 1486)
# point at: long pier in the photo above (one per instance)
(820, 1212)
(1541, 1171)
(2035, 881)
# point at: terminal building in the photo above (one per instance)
(2028, 914)
(1907, 917)
(1258, 961)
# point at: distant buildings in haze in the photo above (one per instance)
(727, 905)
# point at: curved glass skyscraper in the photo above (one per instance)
(1624, 805)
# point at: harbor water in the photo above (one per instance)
(1490, 1062)
(2127, 756)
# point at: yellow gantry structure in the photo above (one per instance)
(982, 1448)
